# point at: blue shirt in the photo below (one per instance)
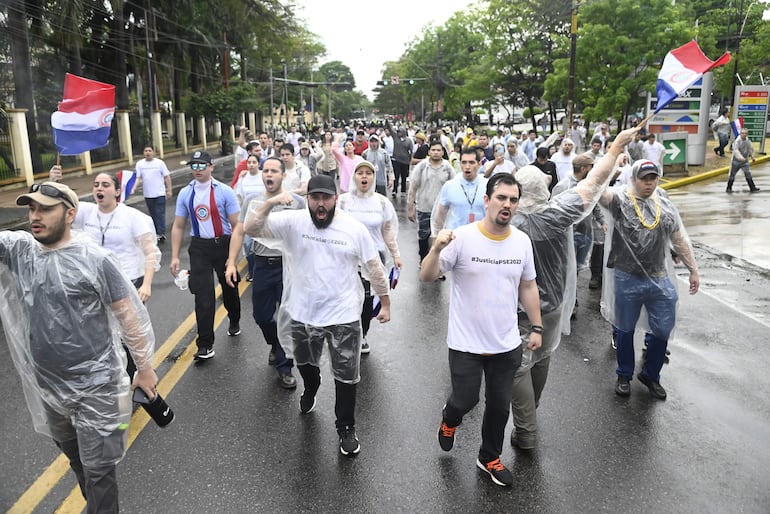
(198, 195)
(463, 199)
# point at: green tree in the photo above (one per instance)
(616, 62)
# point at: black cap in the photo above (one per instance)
(199, 156)
(322, 184)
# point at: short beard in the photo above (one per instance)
(56, 233)
(321, 224)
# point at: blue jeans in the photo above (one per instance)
(723, 141)
(156, 208)
(583, 243)
(266, 291)
(659, 297)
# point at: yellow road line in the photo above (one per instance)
(53, 474)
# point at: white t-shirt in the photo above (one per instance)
(654, 152)
(121, 229)
(153, 174)
(484, 298)
(322, 278)
(249, 185)
(563, 164)
(374, 211)
(296, 177)
(506, 167)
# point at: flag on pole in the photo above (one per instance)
(682, 67)
(737, 125)
(127, 180)
(83, 120)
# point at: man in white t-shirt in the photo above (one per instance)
(563, 158)
(493, 270)
(323, 250)
(654, 151)
(156, 179)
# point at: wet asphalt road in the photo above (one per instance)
(239, 443)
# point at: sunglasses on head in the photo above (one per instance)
(48, 190)
(198, 166)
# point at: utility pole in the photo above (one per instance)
(286, 93)
(572, 60)
(312, 100)
(226, 62)
(272, 107)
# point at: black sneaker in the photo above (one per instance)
(271, 358)
(614, 341)
(306, 403)
(234, 329)
(623, 386)
(497, 472)
(161, 238)
(204, 353)
(349, 444)
(446, 436)
(655, 388)
(365, 348)
(755, 190)
(287, 381)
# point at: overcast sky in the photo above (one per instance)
(364, 35)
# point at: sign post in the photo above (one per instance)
(752, 106)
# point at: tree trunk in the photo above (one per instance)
(22, 73)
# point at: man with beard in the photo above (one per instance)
(66, 306)
(493, 268)
(212, 209)
(563, 158)
(323, 250)
(267, 286)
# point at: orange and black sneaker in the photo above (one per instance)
(497, 471)
(446, 436)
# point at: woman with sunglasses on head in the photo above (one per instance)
(127, 232)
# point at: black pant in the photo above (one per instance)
(401, 171)
(498, 370)
(344, 394)
(207, 255)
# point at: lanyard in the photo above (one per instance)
(465, 192)
(104, 229)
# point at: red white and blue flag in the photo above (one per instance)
(83, 120)
(737, 125)
(683, 67)
(127, 180)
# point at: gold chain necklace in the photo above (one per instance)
(640, 214)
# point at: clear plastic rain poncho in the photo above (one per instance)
(65, 312)
(642, 232)
(378, 216)
(549, 226)
(321, 286)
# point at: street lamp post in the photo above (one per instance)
(272, 106)
(286, 93)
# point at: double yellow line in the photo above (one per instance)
(75, 503)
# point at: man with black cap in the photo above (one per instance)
(61, 298)
(639, 272)
(383, 172)
(212, 209)
(323, 250)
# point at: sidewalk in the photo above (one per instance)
(14, 217)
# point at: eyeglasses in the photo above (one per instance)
(52, 192)
(198, 166)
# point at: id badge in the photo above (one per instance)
(471, 218)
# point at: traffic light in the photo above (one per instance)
(382, 82)
(411, 81)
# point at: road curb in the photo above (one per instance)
(705, 175)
